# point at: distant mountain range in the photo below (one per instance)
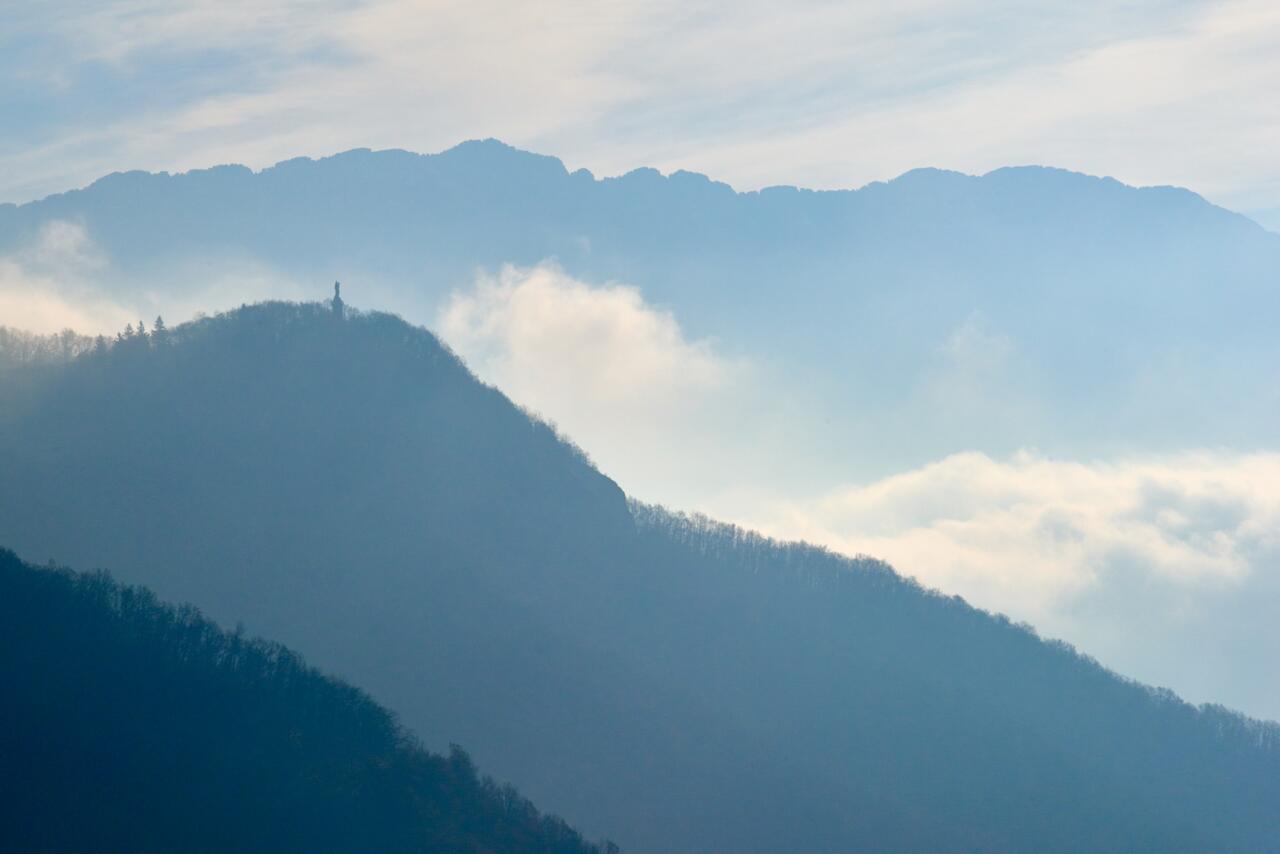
(1128, 318)
(344, 485)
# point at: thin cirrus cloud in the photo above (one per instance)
(821, 94)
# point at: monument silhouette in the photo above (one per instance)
(339, 307)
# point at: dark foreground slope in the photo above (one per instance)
(345, 486)
(129, 725)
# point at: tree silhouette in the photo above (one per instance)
(130, 725)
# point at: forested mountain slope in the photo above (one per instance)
(344, 485)
(130, 725)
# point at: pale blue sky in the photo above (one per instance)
(814, 93)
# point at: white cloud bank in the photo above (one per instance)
(1166, 569)
(1032, 535)
(542, 333)
(616, 374)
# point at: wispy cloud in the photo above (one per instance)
(45, 286)
(543, 332)
(61, 280)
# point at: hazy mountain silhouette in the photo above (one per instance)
(1114, 300)
(129, 725)
(347, 487)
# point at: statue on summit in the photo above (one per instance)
(339, 307)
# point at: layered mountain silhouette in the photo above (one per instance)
(129, 725)
(345, 486)
(1107, 302)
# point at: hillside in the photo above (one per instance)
(1111, 300)
(347, 487)
(130, 725)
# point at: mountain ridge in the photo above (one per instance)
(484, 150)
(344, 485)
